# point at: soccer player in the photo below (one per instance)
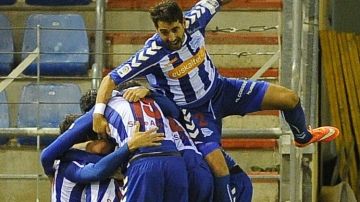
(63, 188)
(78, 170)
(199, 175)
(98, 173)
(159, 169)
(240, 183)
(175, 61)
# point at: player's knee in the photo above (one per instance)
(293, 99)
(289, 98)
(279, 97)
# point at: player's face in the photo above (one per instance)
(101, 146)
(173, 34)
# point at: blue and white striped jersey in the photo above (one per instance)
(181, 137)
(64, 190)
(122, 116)
(187, 76)
(103, 191)
(83, 176)
(94, 171)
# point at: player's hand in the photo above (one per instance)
(136, 93)
(100, 125)
(118, 175)
(149, 138)
(51, 179)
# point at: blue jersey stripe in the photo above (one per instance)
(62, 185)
(103, 186)
(116, 120)
(204, 75)
(77, 192)
(58, 183)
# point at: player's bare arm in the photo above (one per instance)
(134, 94)
(100, 124)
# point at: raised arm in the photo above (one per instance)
(137, 65)
(100, 124)
(65, 141)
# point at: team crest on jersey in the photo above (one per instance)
(188, 65)
(206, 132)
(124, 70)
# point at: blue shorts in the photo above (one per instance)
(159, 178)
(232, 97)
(201, 182)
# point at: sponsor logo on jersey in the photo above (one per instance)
(188, 65)
(150, 124)
(124, 70)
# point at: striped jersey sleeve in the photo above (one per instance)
(200, 15)
(75, 134)
(140, 63)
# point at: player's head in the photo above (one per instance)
(88, 100)
(169, 23)
(126, 85)
(69, 120)
(101, 146)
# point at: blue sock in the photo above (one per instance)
(222, 189)
(296, 119)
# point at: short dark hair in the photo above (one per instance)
(88, 100)
(127, 85)
(167, 11)
(68, 120)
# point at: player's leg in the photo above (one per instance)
(217, 164)
(240, 183)
(216, 161)
(242, 97)
(144, 181)
(201, 182)
(281, 98)
(205, 129)
(176, 179)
